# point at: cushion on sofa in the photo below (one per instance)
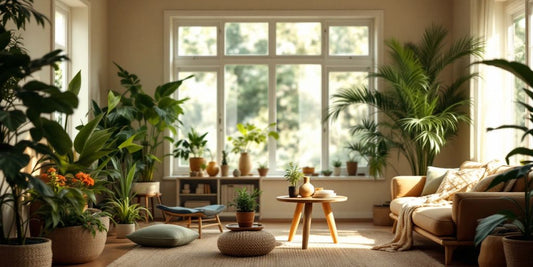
(434, 178)
(436, 220)
(459, 181)
(483, 185)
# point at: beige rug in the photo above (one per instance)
(353, 249)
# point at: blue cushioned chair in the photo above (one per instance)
(203, 214)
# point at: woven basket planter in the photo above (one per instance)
(74, 244)
(246, 243)
(517, 251)
(37, 252)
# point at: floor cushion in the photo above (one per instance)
(163, 235)
(246, 243)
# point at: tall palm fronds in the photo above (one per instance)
(418, 111)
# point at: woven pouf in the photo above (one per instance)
(246, 243)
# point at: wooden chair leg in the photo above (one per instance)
(167, 218)
(199, 227)
(219, 224)
(189, 222)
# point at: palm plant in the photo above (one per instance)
(419, 112)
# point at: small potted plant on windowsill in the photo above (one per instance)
(308, 170)
(293, 175)
(224, 167)
(337, 167)
(326, 172)
(263, 169)
(195, 144)
(246, 205)
(247, 134)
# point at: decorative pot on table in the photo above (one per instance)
(306, 189)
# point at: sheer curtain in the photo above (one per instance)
(494, 92)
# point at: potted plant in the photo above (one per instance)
(293, 175)
(337, 167)
(351, 163)
(246, 205)
(326, 172)
(308, 170)
(418, 113)
(263, 169)
(517, 248)
(153, 116)
(247, 134)
(26, 105)
(195, 144)
(374, 151)
(224, 167)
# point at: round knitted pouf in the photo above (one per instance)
(246, 243)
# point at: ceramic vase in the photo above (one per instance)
(245, 164)
(337, 171)
(224, 170)
(212, 168)
(306, 189)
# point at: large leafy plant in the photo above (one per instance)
(249, 133)
(523, 219)
(194, 144)
(25, 106)
(418, 112)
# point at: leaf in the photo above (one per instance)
(12, 119)
(86, 133)
(521, 71)
(112, 101)
(56, 136)
(75, 84)
(130, 145)
(486, 226)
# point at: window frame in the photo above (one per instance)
(174, 64)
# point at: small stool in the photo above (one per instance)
(203, 214)
(246, 243)
(150, 197)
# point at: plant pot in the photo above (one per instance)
(36, 252)
(212, 169)
(491, 252)
(124, 229)
(337, 171)
(306, 189)
(308, 170)
(195, 164)
(292, 191)
(351, 168)
(245, 164)
(262, 172)
(245, 219)
(146, 188)
(517, 250)
(224, 170)
(380, 215)
(74, 244)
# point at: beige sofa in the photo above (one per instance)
(454, 225)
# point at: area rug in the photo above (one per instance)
(353, 249)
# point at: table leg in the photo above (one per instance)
(146, 206)
(307, 224)
(331, 221)
(295, 219)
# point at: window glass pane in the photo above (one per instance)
(246, 89)
(246, 38)
(302, 38)
(348, 40)
(298, 97)
(197, 41)
(339, 130)
(200, 111)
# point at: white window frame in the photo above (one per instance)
(174, 64)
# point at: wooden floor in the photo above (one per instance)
(115, 248)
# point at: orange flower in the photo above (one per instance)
(51, 170)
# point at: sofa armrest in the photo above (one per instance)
(407, 186)
(469, 207)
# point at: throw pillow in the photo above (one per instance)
(434, 178)
(483, 185)
(163, 235)
(459, 181)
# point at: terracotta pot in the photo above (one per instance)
(146, 188)
(245, 219)
(195, 164)
(224, 170)
(351, 168)
(262, 172)
(124, 229)
(292, 191)
(212, 168)
(306, 189)
(517, 250)
(245, 164)
(36, 252)
(491, 252)
(308, 170)
(74, 244)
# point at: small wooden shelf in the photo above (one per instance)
(198, 195)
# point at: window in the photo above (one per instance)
(271, 68)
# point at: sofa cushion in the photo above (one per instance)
(434, 178)
(459, 181)
(436, 220)
(397, 203)
(483, 185)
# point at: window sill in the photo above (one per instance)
(281, 178)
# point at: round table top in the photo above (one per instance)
(337, 198)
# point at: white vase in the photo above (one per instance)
(337, 171)
(146, 188)
(124, 229)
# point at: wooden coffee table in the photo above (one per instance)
(307, 202)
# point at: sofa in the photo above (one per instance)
(450, 225)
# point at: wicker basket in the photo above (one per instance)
(74, 244)
(246, 243)
(37, 252)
